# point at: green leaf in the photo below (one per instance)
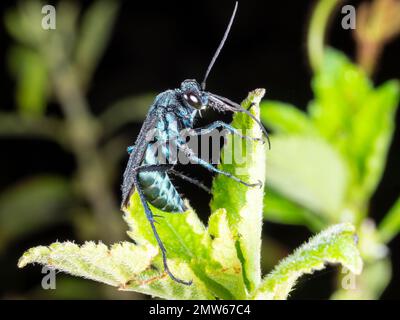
(340, 89)
(31, 206)
(285, 118)
(182, 234)
(207, 257)
(370, 143)
(226, 267)
(345, 106)
(244, 205)
(308, 171)
(186, 239)
(114, 266)
(390, 225)
(336, 244)
(124, 265)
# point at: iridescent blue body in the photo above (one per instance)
(171, 112)
(157, 186)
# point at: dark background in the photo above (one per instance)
(154, 47)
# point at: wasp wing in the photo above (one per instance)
(137, 155)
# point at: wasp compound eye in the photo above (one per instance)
(193, 100)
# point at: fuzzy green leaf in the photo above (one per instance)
(183, 234)
(336, 244)
(124, 265)
(113, 266)
(224, 266)
(210, 253)
(246, 160)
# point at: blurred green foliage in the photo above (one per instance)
(57, 66)
(327, 163)
(340, 146)
(32, 205)
(38, 61)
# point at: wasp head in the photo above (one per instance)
(192, 95)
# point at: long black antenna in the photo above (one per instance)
(203, 84)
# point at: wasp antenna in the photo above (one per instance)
(203, 84)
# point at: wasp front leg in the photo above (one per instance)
(221, 124)
(182, 146)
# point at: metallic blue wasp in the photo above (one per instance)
(171, 112)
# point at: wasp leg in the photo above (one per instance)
(130, 149)
(189, 179)
(150, 218)
(251, 105)
(221, 124)
(191, 156)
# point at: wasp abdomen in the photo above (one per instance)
(160, 192)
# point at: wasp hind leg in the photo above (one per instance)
(152, 221)
(189, 179)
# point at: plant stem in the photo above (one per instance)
(45, 127)
(317, 30)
